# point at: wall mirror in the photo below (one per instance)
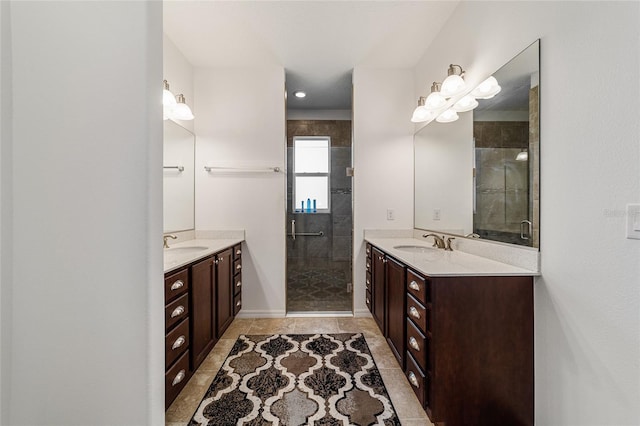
(480, 175)
(178, 177)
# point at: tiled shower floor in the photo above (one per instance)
(318, 286)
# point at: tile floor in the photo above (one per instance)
(320, 285)
(405, 402)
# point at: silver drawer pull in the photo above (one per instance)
(177, 311)
(368, 265)
(414, 286)
(178, 284)
(239, 283)
(220, 259)
(239, 303)
(368, 281)
(414, 312)
(238, 266)
(179, 342)
(179, 377)
(368, 301)
(413, 379)
(238, 252)
(414, 343)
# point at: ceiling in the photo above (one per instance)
(317, 42)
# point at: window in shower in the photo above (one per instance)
(311, 174)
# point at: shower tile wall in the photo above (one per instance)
(502, 196)
(319, 268)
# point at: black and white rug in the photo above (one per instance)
(297, 379)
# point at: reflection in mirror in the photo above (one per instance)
(178, 177)
(480, 174)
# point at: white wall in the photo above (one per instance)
(5, 212)
(87, 321)
(444, 176)
(319, 114)
(382, 158)
(178, 72)
(241, 123)
(587, 303)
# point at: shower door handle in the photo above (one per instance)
(525, 226)
(293, 229)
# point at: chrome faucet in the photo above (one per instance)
(165, 237)
(448, 245)
(438, 241)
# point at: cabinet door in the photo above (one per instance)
(224, 290)
(378, 309)
(395, 309)
(203, 309)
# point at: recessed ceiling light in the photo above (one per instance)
(299, 94)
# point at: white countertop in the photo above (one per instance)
(440, 263)
(176, 259)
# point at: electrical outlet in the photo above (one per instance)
(633, 221)
(391, 214)
(436, 214)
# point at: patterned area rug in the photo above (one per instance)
(297, 379)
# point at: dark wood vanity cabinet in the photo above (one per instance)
(394, 307)
(200, 303)
(224, 290)
(378, 288)
(468, 345)
(204, 307)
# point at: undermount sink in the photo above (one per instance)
(414, 249)
(185, 250)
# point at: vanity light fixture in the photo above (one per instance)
(181, 111)
(467, 103)
(448, 116)
(487, 89)
(299, 94)
(435, 100)
(453, 85)
(168, 98)
(421, 113)
(523, 155)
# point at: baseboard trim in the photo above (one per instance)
(323, 314)
(244, 313)
(362, 313)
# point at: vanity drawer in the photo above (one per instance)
(417, 313)
(176, 378)
(237, 284)
(176, 342)
(367, 300)
(176, 284)
(418, 286)
(237, 304)
(368, 265)
(237, 251)
(176, 311)
(418, 346)
(418, 380)
(368, 250)
(367, 281)
(237, 266)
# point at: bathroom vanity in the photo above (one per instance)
(460, 326)
(202, 287)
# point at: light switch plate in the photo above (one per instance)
(391, 214)
(633, 221)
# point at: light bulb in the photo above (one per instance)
(448, 116)
(487, 89)
(453, 85)
(421, 114)
(181, 110)
(435, 100)
(168, 98)
(467, 103)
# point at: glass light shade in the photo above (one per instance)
(452, 86)
(487, 89)
(434, 101)
(168, 98)
(181, 110)
(465, 104)
(448, 116)
(422, 114)
(522, 155)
